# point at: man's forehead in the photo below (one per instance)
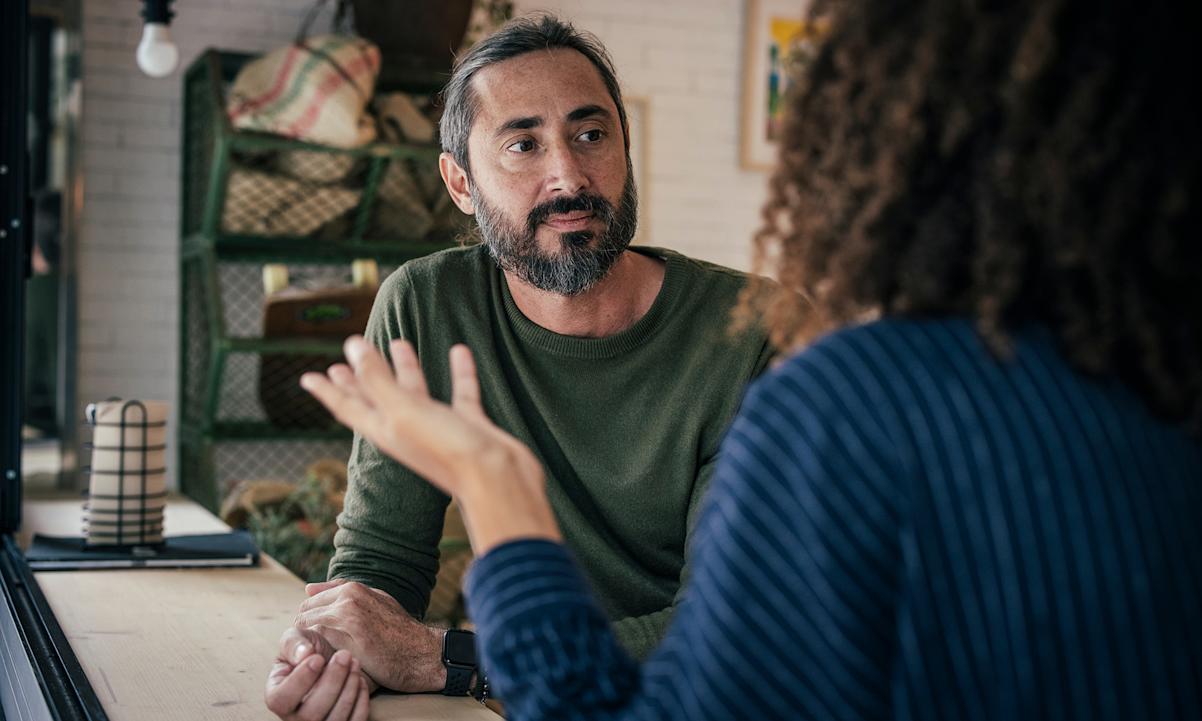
(543, 83)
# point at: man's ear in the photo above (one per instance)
(456, 181)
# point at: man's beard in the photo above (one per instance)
(576, 267)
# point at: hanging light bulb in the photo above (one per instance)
(157, 55)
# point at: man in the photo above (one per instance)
(613, 363)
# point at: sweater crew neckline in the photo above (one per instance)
(609, 346)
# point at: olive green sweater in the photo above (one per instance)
(626, 426)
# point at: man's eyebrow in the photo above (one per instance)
(526, 123)
(536, 121)
(587, 111)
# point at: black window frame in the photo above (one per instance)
(34, 645)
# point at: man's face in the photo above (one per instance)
(550, 182)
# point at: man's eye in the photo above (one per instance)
(592, 136)
(522, 146)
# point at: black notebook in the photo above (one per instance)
(211, 550)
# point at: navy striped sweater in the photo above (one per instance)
(901, 527)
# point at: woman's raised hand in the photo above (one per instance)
(498, 481)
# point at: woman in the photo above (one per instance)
(975, 491)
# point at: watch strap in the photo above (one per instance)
(460, 666)
(459, 680)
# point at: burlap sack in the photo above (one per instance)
(315, 90)
(413, 201)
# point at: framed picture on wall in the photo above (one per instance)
(777, 38)
(637, 119)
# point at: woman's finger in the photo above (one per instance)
(341, 375)
(349, 409)
(375, 377)
(408, 372)
(465, 387)
(344, 378)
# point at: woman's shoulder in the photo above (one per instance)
(862, 384)
(879, 353)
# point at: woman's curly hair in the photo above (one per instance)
(1011, 161)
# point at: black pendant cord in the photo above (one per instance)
(157, 11)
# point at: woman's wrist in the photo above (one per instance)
(505, 504)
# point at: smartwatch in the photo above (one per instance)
(459, 657)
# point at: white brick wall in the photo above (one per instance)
(682, 56)
(128, 247)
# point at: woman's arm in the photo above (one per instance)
(791, 607)
(498, 481)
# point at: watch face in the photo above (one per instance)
(459, 647)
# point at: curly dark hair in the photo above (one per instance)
(1011, 161)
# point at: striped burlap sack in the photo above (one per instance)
(314, 90)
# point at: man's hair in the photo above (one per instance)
(1028, 161)
(519, 36)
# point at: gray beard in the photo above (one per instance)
(577, 266)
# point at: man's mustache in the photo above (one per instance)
(585, 202)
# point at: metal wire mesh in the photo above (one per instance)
(210, 469)
(236, 461)
(266, 389)
(309, 193)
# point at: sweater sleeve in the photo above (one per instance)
(639, 635)
(791, 606)
(391, 522)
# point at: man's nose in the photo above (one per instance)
(565, 173)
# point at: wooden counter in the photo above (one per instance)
(189, 643)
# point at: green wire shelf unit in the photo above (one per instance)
(250, 199)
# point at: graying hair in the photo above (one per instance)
(517, 37)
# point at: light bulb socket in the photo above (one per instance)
(157, 11)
